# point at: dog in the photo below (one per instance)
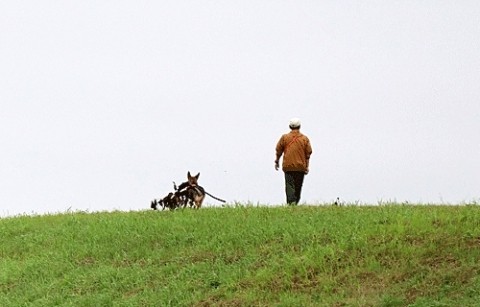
(172, 201)
(193, 193)
(187, 193)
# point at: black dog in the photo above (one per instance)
(171, 202)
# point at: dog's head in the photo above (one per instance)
(153, 204)
(193, 180)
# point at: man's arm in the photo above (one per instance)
(308, 153)
(308, 149)
(279, 151)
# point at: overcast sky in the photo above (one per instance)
(104, 103)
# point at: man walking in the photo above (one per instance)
(296, 150)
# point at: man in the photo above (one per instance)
(296, 151)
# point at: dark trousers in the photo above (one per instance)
(293, 186)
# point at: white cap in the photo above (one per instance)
(295, 122)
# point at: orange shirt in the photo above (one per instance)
(296, 150)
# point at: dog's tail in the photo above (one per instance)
(216, 198)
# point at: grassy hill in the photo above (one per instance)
(392, 255)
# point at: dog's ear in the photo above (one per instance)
(198, 175)
(188, 175)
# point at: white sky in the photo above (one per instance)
(104, 103)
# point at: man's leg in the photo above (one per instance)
(298, 185)
(290, 188)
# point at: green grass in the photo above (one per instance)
(394, 255)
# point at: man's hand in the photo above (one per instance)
(276, 165)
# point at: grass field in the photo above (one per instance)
(393, 255)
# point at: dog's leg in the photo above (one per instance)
(184, 200)
(200, 201)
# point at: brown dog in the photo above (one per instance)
(188, 193)
(195, 194)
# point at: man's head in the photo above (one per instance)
(295, 123)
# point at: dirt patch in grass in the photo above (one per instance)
(220, 301)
